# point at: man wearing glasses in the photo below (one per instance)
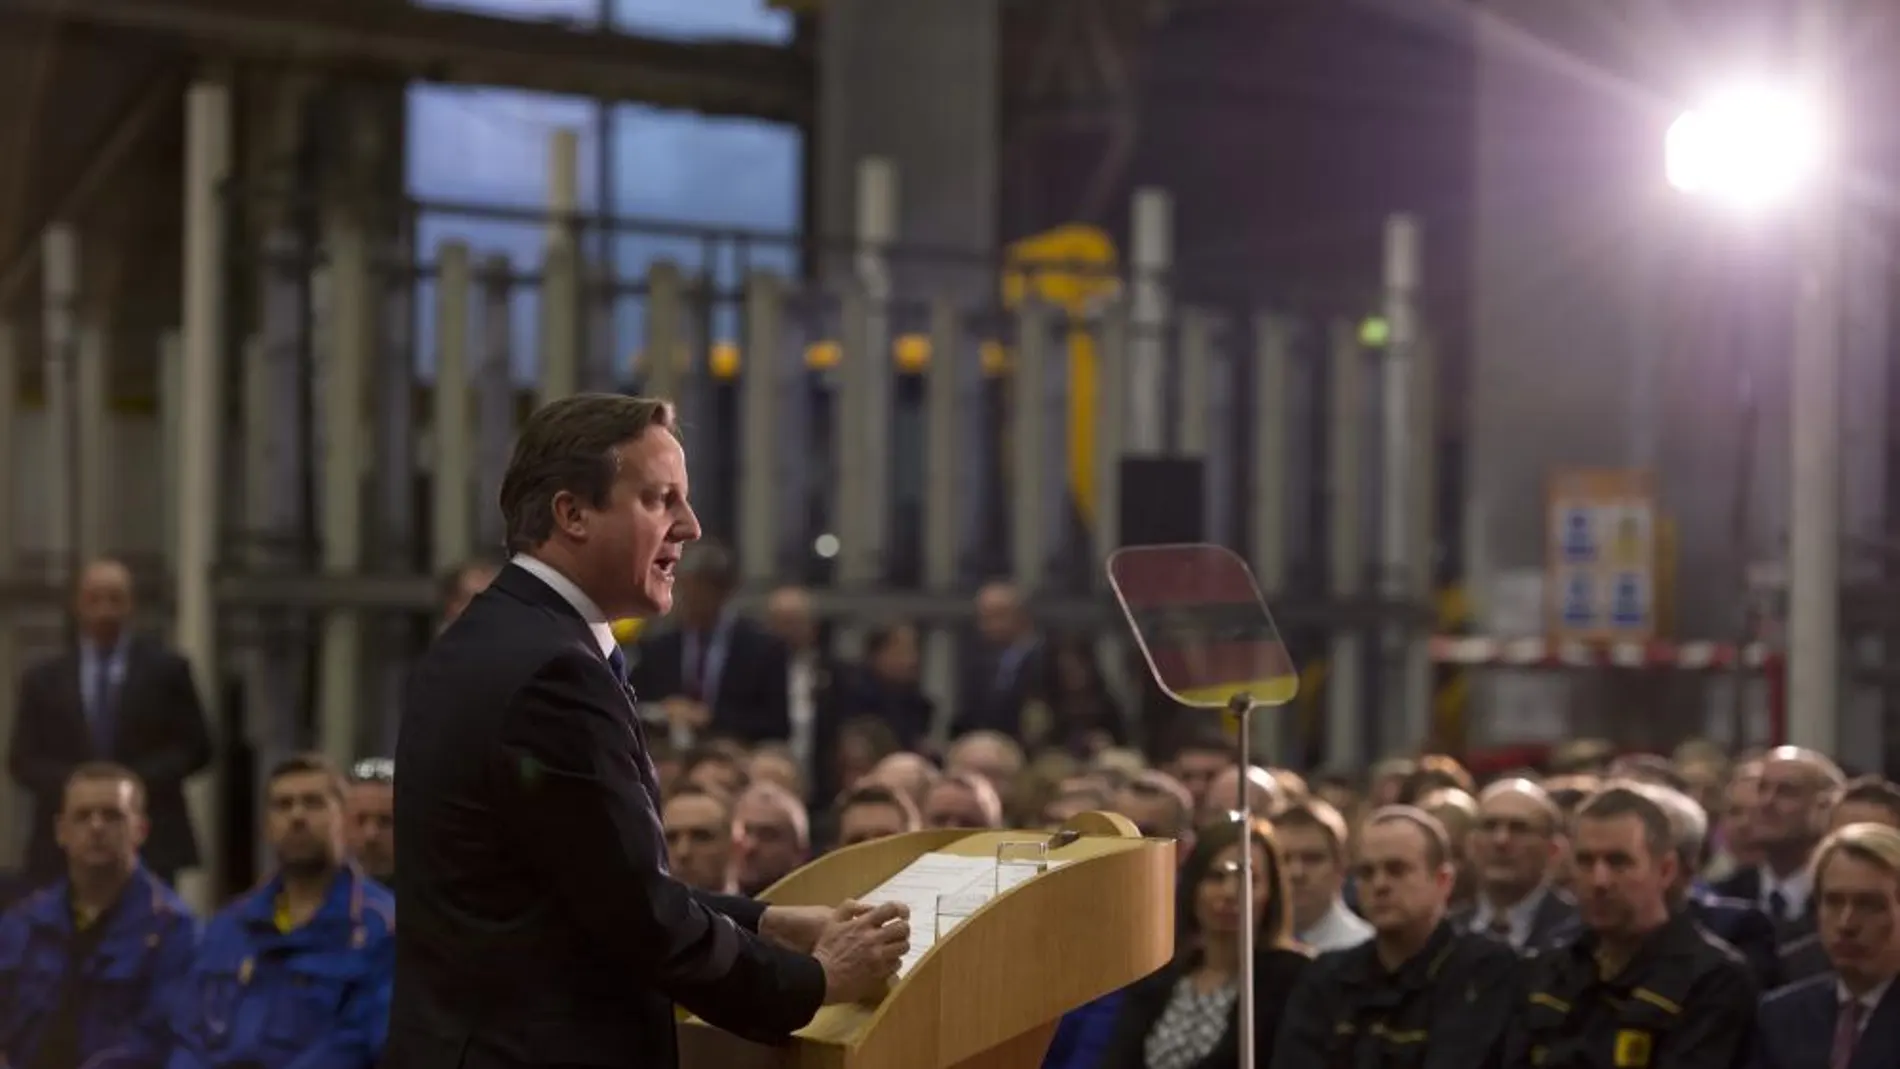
(370, 824)
(1514, 849)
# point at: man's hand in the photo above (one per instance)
(797, 927)
(861, 948)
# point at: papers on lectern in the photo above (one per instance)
(934, 877)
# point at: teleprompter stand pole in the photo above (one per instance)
(1240, 708)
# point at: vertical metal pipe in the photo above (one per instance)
(859, 562)
(59, 272)
(452, 527)
(1271, 416)
(352, 339)
(9, 552)
(1111, 426)
(92, 440)
(494, 395)
(1152, 256)
(1422, 516)
(171, 437)
(1030, 482)
(1814, 567)
(1196, 329)
(761, 389)
(1404, 711)
(946, 521)
(868, 371)
(208, 122)
(664, 372)
(561, 272)
(1345, 708)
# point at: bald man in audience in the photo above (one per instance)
(1513, 850)
(963, 800)
(1223, 795)
(771, 836)
(1797, 788)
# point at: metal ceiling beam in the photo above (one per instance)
(394, 39)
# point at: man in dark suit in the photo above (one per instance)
(117, 697)
(1849, 1016)
(717, 672)
(1005, 675)
(540, 924)
(1513, 851)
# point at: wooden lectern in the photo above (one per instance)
(990, 992)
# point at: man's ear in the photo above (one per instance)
(569, 517)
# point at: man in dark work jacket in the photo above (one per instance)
(115, 696)
(1421, 993)
(540, 925)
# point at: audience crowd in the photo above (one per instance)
(1614, 910)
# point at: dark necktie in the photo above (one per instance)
(1500, 927)
(1846, 1034)
(102, 705)
(1778, 907)
(617, 660)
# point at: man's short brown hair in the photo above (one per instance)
(108, 772)
(309, 762)
(568, 447)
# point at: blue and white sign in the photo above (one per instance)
(1579, 609)
(1629, 599)
(1577, 534)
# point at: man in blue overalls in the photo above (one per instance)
(296, 974)
(86, 963)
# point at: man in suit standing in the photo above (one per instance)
(718, 672)
(114, 696)
(1847, 1018)
(540, 924)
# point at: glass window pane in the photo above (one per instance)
(682, 20)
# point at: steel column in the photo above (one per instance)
(1422, 540)
(947, 519)
(1814, 549)
(1032, 462)
(352, 341)
(561, 272)
(59, 271)
(10, 612)
(1402, 706)
(452, 480)
(1111, 428)
(208, 136)
(762, 392)
(665, 358)
(92, 444)
(494, 395)
(861, 455)
(171, 436)
(1152, 257)
(1345, 713)
(1269, 421)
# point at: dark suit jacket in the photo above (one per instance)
(1796, 1028)
(989, 699)
(159, 732)
(1746, 928)
(1556, 916)
(539, 923)
(1275, 973)
(751, 703)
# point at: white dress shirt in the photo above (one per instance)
(1339, 929)
(1796, 888)
(1521, 917)
(596, 620)
(1868, 1002)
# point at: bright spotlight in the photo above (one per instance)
(1751, 146)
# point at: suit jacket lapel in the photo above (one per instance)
(1879, 1045)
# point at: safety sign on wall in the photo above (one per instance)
(1602, 558)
